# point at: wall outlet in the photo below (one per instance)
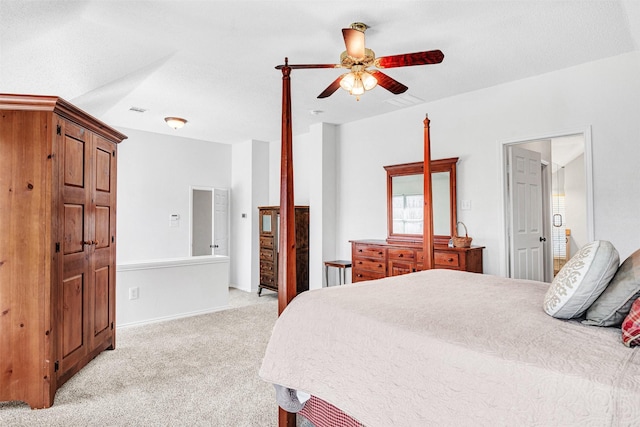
(134, 293)
(466, 205)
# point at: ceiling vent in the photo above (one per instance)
(404, 101)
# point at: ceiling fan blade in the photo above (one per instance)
(299, 66)
(388, 83)
(409, 59)
(331, 88)
(354, 41)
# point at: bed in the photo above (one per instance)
(443, 347)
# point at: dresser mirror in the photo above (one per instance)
(405, 200)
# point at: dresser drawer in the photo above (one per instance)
(375, 252)
(266, 267)
(362, 275)
(446, 259)
(401, 254)
(370, 265)
(266, 242)
(267, 279)
(267, 254)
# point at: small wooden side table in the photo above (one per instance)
(339, 264)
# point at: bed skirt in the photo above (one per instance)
(324, 414)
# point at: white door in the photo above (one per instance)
(202, 221)
(220, 222)
(526, 231)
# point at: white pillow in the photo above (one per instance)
(581, 280)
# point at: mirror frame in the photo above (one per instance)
(439, 165)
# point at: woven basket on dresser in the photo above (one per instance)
(462, 242)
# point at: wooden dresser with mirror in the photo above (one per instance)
(402, 251)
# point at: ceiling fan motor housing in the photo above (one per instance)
(348, 61)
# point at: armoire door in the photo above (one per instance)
(87, 290)
(76, 245)
(102, 261)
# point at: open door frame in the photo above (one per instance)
(588, 171)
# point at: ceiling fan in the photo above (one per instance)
(357, 58)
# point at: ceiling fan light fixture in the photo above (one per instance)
(348, 81)
(358, 87)
(368, 81)
(175, 122)
(357, 82)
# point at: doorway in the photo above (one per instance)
(565, 210)
(209, 234)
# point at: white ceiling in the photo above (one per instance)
(212, 62)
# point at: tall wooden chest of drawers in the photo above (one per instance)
(269, 217)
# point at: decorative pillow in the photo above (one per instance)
(631, 326)
(581, 280)
(615, 302)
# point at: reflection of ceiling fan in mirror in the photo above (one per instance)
(357, 58)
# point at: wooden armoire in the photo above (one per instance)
(269, 217)
(58, 244)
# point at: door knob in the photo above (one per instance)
(543, 239)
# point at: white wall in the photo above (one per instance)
(322, 201)
(473, 126)
(171, 288)
(154, 175)
(250, 189)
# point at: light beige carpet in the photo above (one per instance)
(197, 371)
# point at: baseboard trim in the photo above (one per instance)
(172, 317)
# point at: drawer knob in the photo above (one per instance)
(400, 256)
(450, 259)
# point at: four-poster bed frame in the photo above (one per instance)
(287, 254)
(440, 346)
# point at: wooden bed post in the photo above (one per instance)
(287, 243)
(427, 238)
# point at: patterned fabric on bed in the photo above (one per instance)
(445, 348)
(323, 414)
(631, 326)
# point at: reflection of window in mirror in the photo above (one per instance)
(408, 201)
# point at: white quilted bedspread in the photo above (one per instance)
(448, 348)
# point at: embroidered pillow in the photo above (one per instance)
(615, 302)
(581, 280)
(631, 326)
